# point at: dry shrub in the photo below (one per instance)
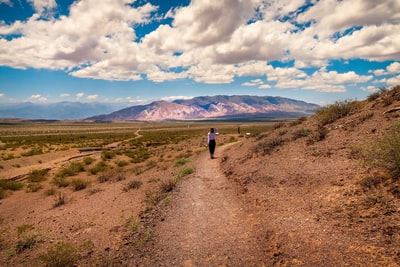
(384, 153)
(339, 109)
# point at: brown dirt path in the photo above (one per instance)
(206, 224)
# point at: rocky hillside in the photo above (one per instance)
(327, 187)
(212, 107)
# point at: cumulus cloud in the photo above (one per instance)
(394, 68)
(79, 95)
(38, 98)
(255, 82)
(43, 7)
(92, 97)
(1, 95)
(64, 95)
(208, 41)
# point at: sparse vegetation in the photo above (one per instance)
(336, 111)
(184, 172)
(385, 152)
(271, 144)
(37, 176)
(378, 93)
(301, 133)
(60, 181)
(79, 184)
(27, 240)
(99, 167)
(135, 184)
(60, 200)
(32, 152)
(181, 161)
(9, 185)
(122, 163)
(88, 160)
(73, 169)
(61, 255)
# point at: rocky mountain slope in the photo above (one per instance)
(212, 107)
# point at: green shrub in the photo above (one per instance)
(339, 109)
(105, 155)
(3, 193)
(61, 255)
(122, 163)
(138, 155)
(88, 160)
(32, 152)
(185, 171)
(73, 169)
(50, 192)
(99, 167)
(27, 240)
(7, 184)
(60, 181)
(385, 152)
(36, 176)
(24, 228)
(34, 187)
(181, 161)
(79, 184)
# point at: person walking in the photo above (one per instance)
(211, 141)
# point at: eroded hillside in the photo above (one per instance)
(316, 184)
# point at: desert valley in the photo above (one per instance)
(306, 191)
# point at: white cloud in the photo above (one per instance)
(172, 98)
(38, 98)
(92, 97)
(79, 95)
(64, 95)
(393, 81)
(43, 7)
(394, 68)
(256, 82)
(1, 95)
(378, 72)
(370, 89)
(324, 81)
(6, 2)
(208, 41)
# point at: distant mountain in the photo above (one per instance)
(57, 111)
(212, 107)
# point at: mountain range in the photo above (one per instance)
(57, 111)
(204, 107)
(212, 107)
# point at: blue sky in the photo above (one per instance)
(142, 51)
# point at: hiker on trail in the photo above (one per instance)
(211, 141)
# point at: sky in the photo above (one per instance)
(143, 51)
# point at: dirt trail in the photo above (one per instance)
(206, 224)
